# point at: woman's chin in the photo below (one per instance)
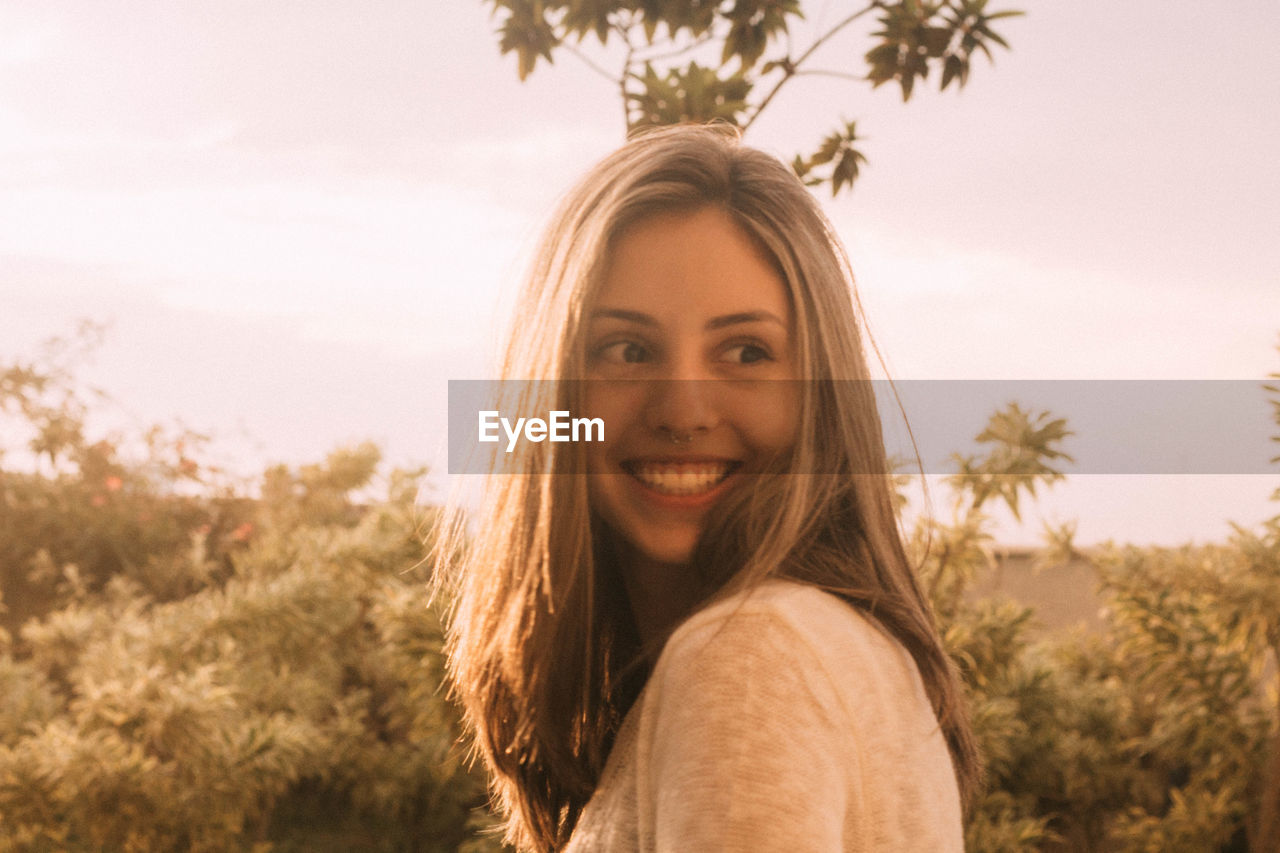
(671, 547)
(667, 553)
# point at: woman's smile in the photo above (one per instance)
(681, 477)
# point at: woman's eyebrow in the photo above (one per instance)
(744, 317)
(619, 314)
(714, 323)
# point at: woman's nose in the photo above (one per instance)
(682, 406)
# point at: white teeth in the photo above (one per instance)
(683, 478)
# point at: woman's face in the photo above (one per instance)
(690, 342)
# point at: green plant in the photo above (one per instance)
(747, 57)
(187, 667)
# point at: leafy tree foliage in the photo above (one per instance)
(705, 60)
(1160, 733)
(184, 666)
(184, 669)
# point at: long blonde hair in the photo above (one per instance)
(542, 649)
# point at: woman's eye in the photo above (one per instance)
(623, 352)
(747, 354)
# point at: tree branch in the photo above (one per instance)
(1267, 829)
(678, 52)
(589, 63)
(790, 69)
(936, 581)
(624, 33)
(843, 75)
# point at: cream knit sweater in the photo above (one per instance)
(778, 721)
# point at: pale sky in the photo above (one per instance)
(301, 219)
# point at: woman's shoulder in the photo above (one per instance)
(786, 712)
(784, 615)
(800, 636)
(743, 740)
(766, 632)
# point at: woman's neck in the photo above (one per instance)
(661, 594)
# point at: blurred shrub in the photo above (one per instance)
(186, 668)
(1160, 732)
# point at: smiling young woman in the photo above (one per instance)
(701, 633)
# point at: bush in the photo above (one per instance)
(1153, 734)
(189, 668)
(185, 666)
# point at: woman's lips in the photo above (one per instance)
(685, 478)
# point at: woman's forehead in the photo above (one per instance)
(691, 260)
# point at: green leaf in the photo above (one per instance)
(840, 149)
(583, 17)
(935, 40)
(650, 27)
(691, 94)
(954, 68)
(528, 33)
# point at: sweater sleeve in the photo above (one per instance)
(751, 747)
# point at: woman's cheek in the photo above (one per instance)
(769, 422)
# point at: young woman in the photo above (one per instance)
(702, 633)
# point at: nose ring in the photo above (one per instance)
(677, 437)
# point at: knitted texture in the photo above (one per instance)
(779, 720)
